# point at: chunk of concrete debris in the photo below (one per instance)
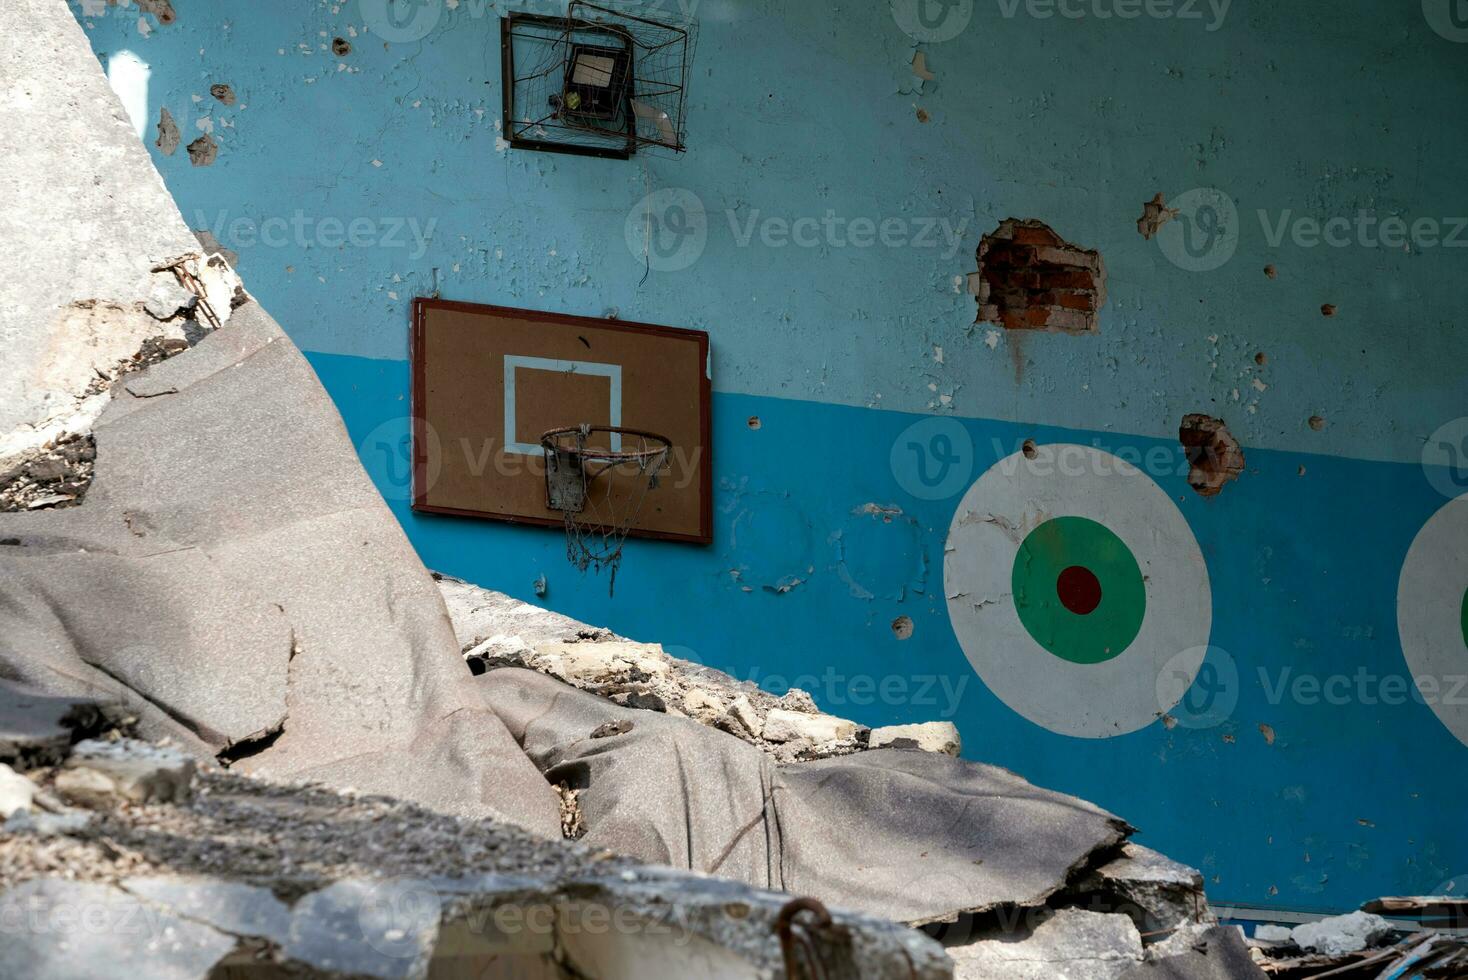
(934, 736)
(102, 773)
(743, 713)
(790, 726)
(1157, 892)
(1272, 934)
(169, 947)
(17, 793)
(601, 663)
(1073, 944)
(1197, 952)
(1342, 933)
(41, 824)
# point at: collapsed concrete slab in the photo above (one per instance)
(1157, 892)
(368, 886)
(1070, 944)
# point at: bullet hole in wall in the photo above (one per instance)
(1032, 279)
(223, 93)
(168, 134)
(1261, 359)
(1214, 455)
(902, 627)
(754, 422)
(1271, 272)
(203, 151)
(162, 9)
(341, 47)
(1030, 449)
(1317, 423)
(1327, 309)
(1155, 214)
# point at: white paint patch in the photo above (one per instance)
(1103, 700)
(992, 339)
(129, 76)
(1430, 597)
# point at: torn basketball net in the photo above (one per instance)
(600, 489)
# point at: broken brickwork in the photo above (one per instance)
(1030, 278)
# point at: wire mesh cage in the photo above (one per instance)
(598, 81)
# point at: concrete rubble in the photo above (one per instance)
(497, 631)
(276, 880)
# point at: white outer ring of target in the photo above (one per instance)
(1430, 609)
(1010, 500)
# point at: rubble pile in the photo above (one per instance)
(496, 631)
(1363, 944)
(55, 474)
(230, 873)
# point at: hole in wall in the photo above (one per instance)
(1328, 309)
(1029, 278)
(1214, 455)
(754, 422)
(341, 47)
(1271, 272)
(1030, 449)
(902, 627)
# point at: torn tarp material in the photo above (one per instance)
(235, 579)
(913, 836)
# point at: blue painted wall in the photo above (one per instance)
(350, 184)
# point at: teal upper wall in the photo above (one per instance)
(1308, 110)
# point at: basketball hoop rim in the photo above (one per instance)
(549, 441)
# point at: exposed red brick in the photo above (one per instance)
(1214, 455)
(1030, 278)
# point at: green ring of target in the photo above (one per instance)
(1079, 591)
(1464, 618)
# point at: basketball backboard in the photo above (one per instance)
(489, 381)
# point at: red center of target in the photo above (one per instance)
(1079, 590)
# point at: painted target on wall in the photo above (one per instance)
(1073, 583)
(1432, 614)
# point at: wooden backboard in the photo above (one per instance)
(489, 380)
